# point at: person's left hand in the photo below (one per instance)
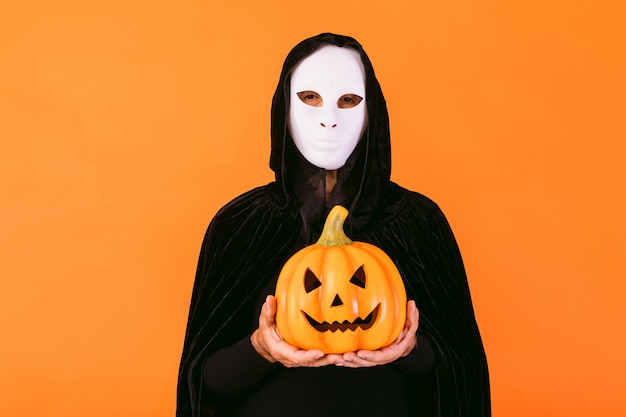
(404, 344)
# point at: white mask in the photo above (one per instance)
(327, 110)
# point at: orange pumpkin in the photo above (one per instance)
(338, 295)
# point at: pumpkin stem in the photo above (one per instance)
(333, 234)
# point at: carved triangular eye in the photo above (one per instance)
(358, 278)
(310, 281)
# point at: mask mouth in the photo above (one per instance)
(328, 145)
(358, 323)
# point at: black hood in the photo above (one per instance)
(365, 175)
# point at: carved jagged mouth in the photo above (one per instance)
(364, 324)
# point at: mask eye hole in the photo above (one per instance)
(310, 98)
(310, 281)
(358, 278)
(348, 101)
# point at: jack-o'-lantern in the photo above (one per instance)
(338, 295)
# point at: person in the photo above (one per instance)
(330, 145)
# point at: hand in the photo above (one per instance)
(268, 342)
(404, 344)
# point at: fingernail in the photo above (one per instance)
(339, 364)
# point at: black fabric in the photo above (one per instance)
(250, 238)
(257, 388)
(383, 395)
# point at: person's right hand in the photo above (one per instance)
(268, 342)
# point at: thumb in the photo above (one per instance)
(412, 314)
(270, 303)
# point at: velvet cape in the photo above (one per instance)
(250, 238)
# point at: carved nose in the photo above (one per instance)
(337, 301)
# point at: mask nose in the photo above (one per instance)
(329, 117)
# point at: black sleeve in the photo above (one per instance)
(233, 369)
(419, 361)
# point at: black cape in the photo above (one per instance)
(251, 237)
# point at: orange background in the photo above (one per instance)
(125, 125)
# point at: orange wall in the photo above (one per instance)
(125, 124)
